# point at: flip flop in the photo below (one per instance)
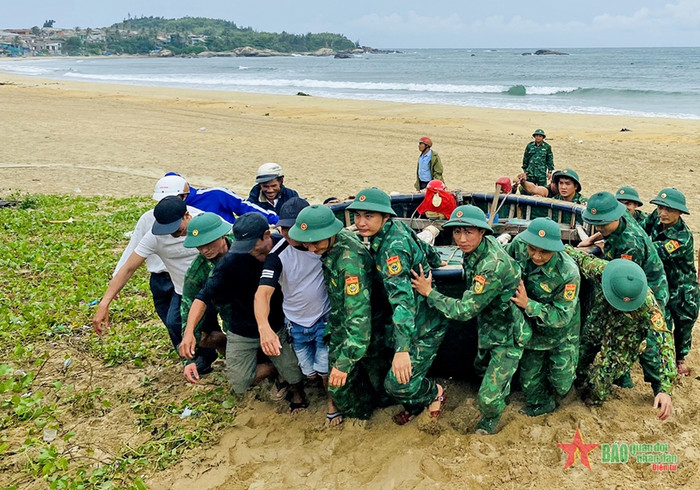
(332, 416)
(442, 399)
(298, 406)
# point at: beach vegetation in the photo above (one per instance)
(78, 411)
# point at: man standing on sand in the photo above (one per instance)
(429, 164)
(269, 192)
(538, 159)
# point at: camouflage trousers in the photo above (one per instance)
(498, 366)
(599, 366)
(545, 374)
(363, 390)
(683, 308)
(420, 391)
(537, 174)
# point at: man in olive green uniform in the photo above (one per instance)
(630, 198)
(625, 239)
(538, 159)
(355, 341)
(674, 243)
(207, 233)
(565, 186)
(548, 296)
(492, 279)
(624, 313)
(417, 331)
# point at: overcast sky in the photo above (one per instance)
(408, 23)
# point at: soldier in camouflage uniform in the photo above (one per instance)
(625, 239)
(630, 198)
(206, 232)
(548, 296)
(356, 340)
(674, 243)
(538, 159)
(417, 331)
(565, 186)
(492, 278)
(624, 313)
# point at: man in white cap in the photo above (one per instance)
(269, 192)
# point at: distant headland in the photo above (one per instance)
(187, 36)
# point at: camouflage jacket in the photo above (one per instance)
(640, 217)
(675, 246)
(197, 274)
(553, 308)
(629, 241)
(538, 159)
(347, 271)
(565, 215)
(397, 250)
(492, 277)
(629, 329)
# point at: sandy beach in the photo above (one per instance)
(95, 139)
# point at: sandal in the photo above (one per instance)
(442, 399)
(402, 418)
(297, 406)
(278, 390)
(330, 417)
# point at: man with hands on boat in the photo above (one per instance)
(492, 279)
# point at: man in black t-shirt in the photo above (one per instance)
(231, 289)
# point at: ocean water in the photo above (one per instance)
(647, 82)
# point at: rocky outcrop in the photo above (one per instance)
(549, 51)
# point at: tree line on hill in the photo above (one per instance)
(193, 35)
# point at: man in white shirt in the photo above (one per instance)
(164, 241)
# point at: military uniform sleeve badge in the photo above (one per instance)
(394, 265)
(479, 283)
(658, 322)
(545, 287)
(570, 292)
(352, 285)
(671, 246)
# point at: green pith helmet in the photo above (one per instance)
(624, 284)
(569, 174)
(628, 193)
(671, 198)
(543, 233)
(315, 223)
(468, 215)
(540, 132)
(603, 208)
(372, 199)
(205, 228)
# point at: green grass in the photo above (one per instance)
(57, 377)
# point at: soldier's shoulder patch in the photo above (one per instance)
(545, 287)
(671, 246)
(352, 285)
(626, 256)
(394, 265)
(479, 283)
(658, 322)
(570, 292)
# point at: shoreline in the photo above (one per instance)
(117, 140)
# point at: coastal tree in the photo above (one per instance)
(49, 23)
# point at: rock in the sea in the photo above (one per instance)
(324, 52)
(549, 51)
(342, 55)
(249, 51)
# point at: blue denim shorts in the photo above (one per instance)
(309, 347)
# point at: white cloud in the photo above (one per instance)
(409, 22)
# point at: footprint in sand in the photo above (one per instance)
(484, 450)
